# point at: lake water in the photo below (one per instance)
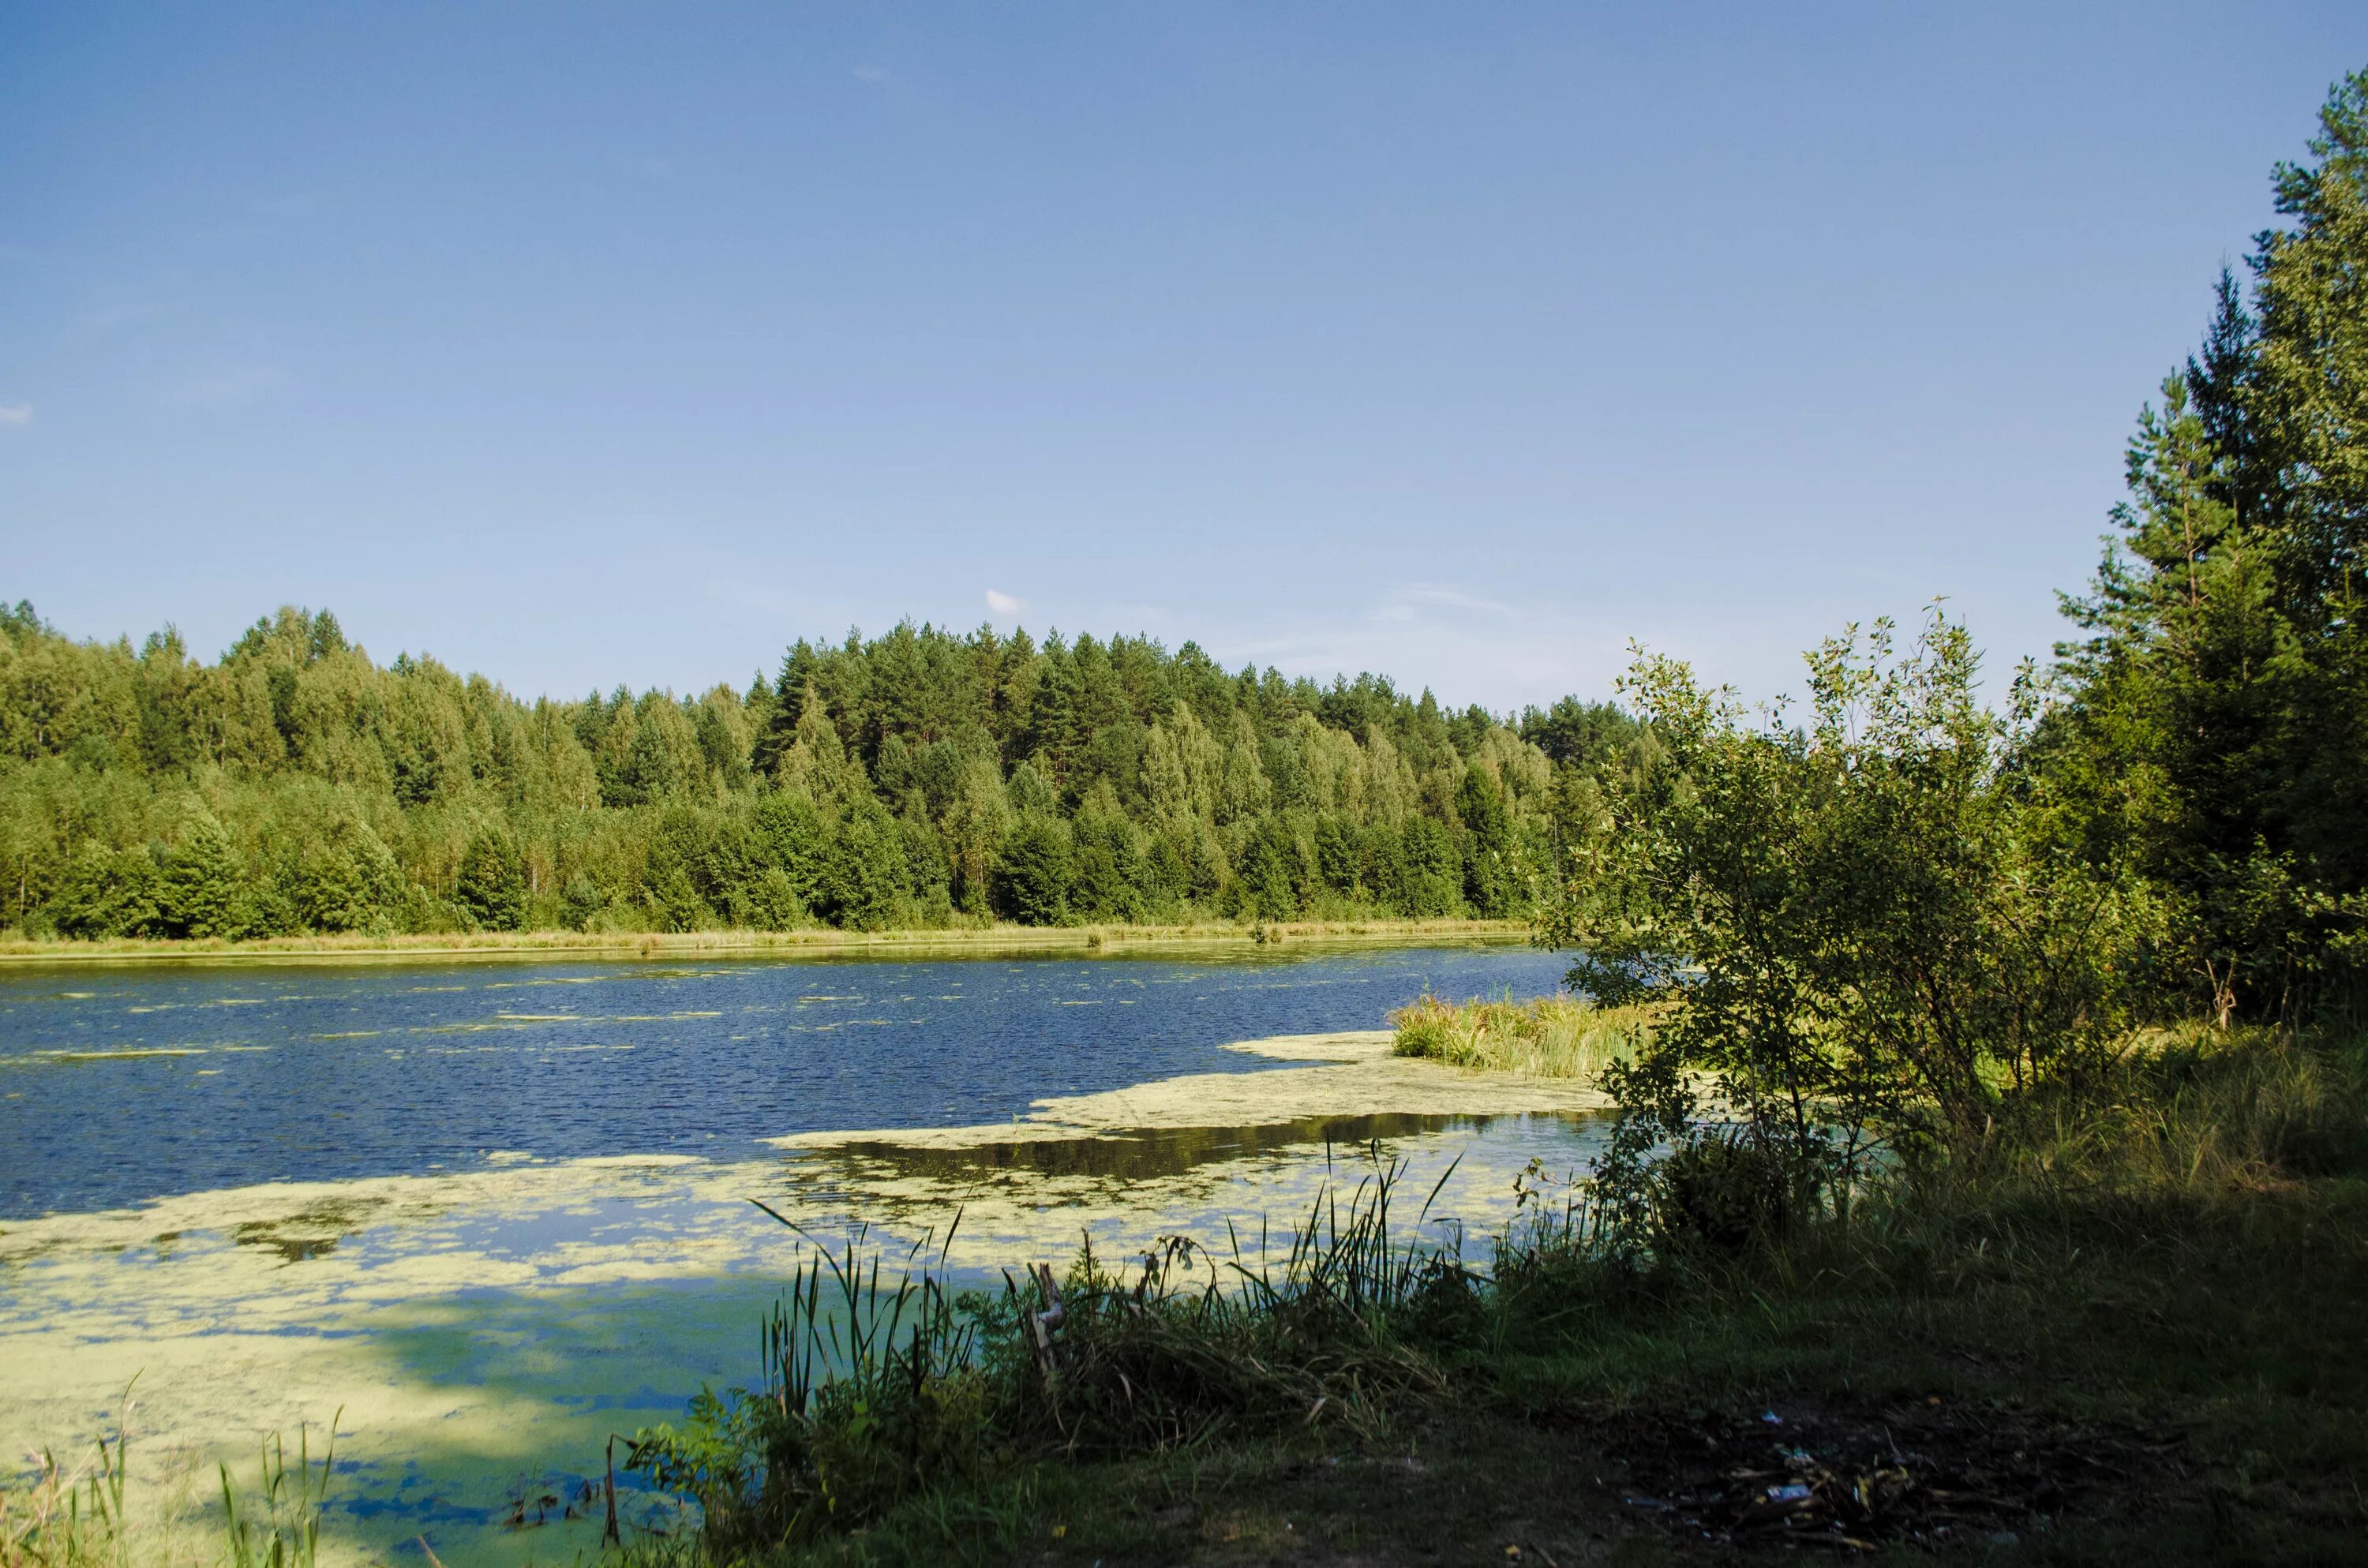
(495, 1209)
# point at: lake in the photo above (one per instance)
(493, 1211)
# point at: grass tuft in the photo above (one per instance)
(1550, 1037)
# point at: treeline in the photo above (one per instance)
(918, 779)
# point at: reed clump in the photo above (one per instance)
(878, 1385)
(1548, 1037)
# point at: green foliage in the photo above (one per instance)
(1863, 937)
(1493, 874)
(869, 877)
(2210, 726)
(108, 893)
(197, 893)
(793, 841)
(492, 882)
(1110, 871)
(347, 880)
(873, 783)
(1427, 872)
(774, 903)
(580, 903)
(1035, 873)
(668, 887)
(1272, 873)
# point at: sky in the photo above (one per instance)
(581, 345)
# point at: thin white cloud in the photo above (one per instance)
(1004, 604)
(16, 413)
(1447, 598)
(871, 73)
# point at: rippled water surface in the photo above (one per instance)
(482, 1215)
(121, 1084)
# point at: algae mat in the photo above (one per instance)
(484, 1330)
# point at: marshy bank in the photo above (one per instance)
(2124, 1334)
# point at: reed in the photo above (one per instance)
(873, 1388)
(1549, 1037)
(88, 1515)
(934, 1417)
(880, 1386)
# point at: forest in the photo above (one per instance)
(917, 779)
(2190, 769)
(1985, 1152)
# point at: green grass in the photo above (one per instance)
(2127, 1331)
(1550, 1036)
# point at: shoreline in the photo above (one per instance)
(498, 1319)
(1082, 941)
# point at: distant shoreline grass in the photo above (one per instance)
(967, 942)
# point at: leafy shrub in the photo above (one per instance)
(1867, 943)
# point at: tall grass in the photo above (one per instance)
(878, 1385)
(903, 1403)
(1550, 1037)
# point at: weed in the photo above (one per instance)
(1552, 1037)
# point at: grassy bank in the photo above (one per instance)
(2127, 1331)
(980, 940)
(1549, 1037)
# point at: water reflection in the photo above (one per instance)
(562, 1244)
(1142, 1154)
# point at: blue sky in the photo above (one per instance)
(579, 345)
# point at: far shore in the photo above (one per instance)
(976, 941)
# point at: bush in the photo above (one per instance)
(199, 893)
(107, 893)
(1868, 945)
